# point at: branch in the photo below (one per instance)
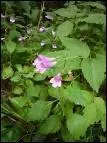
(40, 18)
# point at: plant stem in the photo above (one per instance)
(40, 18)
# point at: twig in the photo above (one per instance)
(40, 18)
(24, 136)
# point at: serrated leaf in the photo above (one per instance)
(77, 125)
(69, 12)
(10, 46)
(90, 113)
(65, 60)
(63, 29)
(79, 97)
(7, 72)
(51, 125)
(96, 18)
(39, 111)
(93, 71)
(76, 47)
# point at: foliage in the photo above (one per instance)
(32, 107)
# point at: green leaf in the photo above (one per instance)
(39, 77)
(19, 101)
(65, 60)
(39, 111)
(67, 137)
(75, 47)
(79, 97)
(103, 123)
(63, 29)
(10, 46)
(67, 12)
(93, 71)
(77, 125)
(10, 134)
(96, 18)
(29, 75)
(34, 14)
(19, 67)
(54, 92)
(94, 4)
(43, 93)
(26, 6)
(100, 108)
(14, 34)
(33, 90)
(17, 90)
(16, 78)
(90, 113)
(7, 72)
(51, 125)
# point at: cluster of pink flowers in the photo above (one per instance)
(42, 64)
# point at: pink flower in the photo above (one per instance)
(43, 63)
(56, 81)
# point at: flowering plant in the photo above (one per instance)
(53, 71)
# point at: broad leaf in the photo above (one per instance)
(90, 113)
(93, 70)
(51, 125)
(33, 90)
(79, 97)
(100, 108)
(77, 125)
(54, 92)
(67, 12)
(96, 18)
(67, 137)
(39, 77)
(14, 34)
(75, 47)
(10, 46)
(65, 60)
(43, 93)
(65, 28)
(39, 111)
(93, 4)
(19, 101)
(34, 14)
